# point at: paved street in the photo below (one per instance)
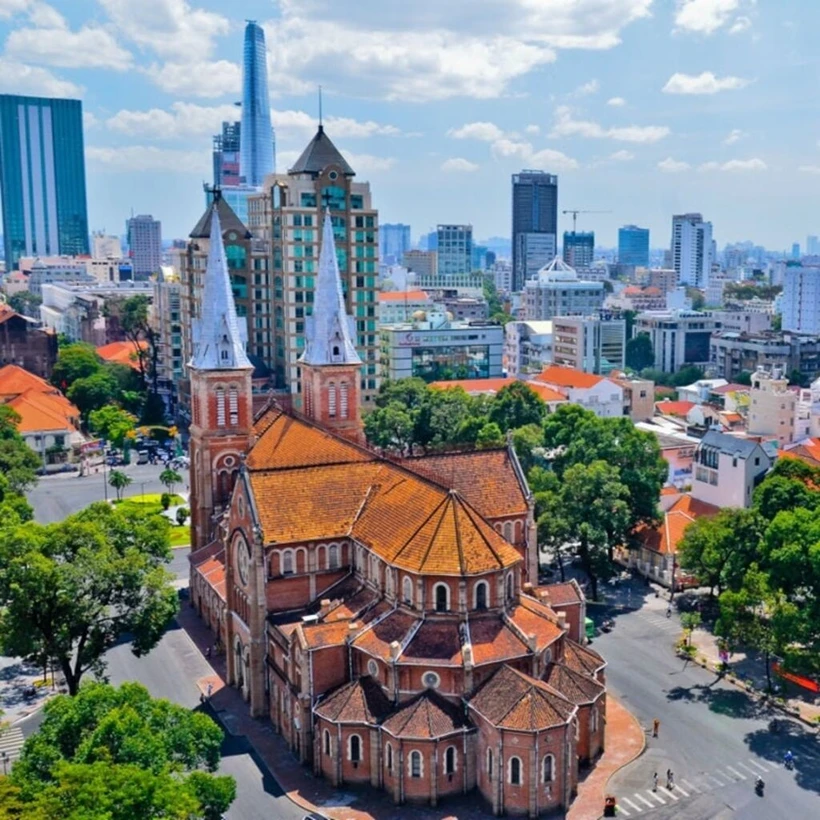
(713, 736)
(55, 497)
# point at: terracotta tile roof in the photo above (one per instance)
(486, 479)
(126, 353)
(670, 491)
(287, 442)
(731, 418)
(512, 700)
(490, 386)
(321, 635)
(582, 659)
(664, 537)
(546, 392)
(44, 412)
(533, 618)
(360, 701)
(436, 641)
(574, 686)
(350, 607)
(15, 380)
(558, 376)
(213, 571)
(562, 594)
(807, 451)
(492, 640)
(376, 640)
(403, 295)
(673, 408)
(693, 506)
(427, 715)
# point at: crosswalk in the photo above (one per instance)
(660, 621)
(630, 805)
(11, 741)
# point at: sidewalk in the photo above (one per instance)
(624, 740)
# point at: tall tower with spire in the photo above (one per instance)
(221, 400)
(330, 365)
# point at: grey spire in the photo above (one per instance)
(218, 338)
(329, 331)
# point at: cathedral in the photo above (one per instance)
(383, 613)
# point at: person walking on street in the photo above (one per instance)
(210, 690)
(670, 779)
(669, 611)
(656, 724)
(655, 782)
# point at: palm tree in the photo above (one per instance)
(170, 477)
(119, 481)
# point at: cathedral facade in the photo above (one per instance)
(384, 614)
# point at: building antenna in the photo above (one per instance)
(320, 107)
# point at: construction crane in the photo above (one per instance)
(576, 212)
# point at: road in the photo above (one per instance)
(714, 737)
(56, 497)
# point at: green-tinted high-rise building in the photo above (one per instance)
(42, 177)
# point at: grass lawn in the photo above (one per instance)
(180, 536)
(151, 502)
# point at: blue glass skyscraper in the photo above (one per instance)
(42, 177)
(633, 246)
(256, 140)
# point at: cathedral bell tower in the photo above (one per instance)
(221, 401)
(331, 367)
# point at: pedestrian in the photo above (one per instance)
(669, 611)
(655, 782)
(656, 724)
(670, 779)
(211, 689)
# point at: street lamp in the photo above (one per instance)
(105, 478)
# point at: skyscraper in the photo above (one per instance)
(692, 251)
(257, 143)
(144, 244)
(534, 224)
(394, 241)
(633, 246)
(455, 249)
(801, 299)
(226, 154)
(579, 249)
(42, 177)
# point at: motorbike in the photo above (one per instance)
(759, 787)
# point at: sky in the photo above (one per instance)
(644, 108)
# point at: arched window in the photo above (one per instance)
(333, 556)
(548, 769)
(508, 530)
(416, 764)
(220, 407)
(354, 749)
(326, 740)
(287, 562)
(388, 756)
(481, 589)
(515, 771)
(510, 587)
(343, 404)
(331, 400)
(442, 597)
(450, 760)
(407, 590)
(490, 765)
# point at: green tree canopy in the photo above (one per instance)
(93, 392)
(71, 591)
(778, 493)
(27, 303)
(74, 361)
(112, 423)
(119, 481)
(639, 352)
(19, 464)
(517, 405)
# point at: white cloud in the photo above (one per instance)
(485, 131)
(53, 43)
(551, 160)
(704, 83)
(199, 79)
(586, 89)
(809, 169)
(149, 158)
(89, 120)
(740, 25)
(566, 126)
(458, 164)
(533, 129)
(704, 16)
(367, 163)
(673, 166)
(616, 102)
(622, 156)
(734, 136)
(19, 78)
(754, 164)
(10, 7)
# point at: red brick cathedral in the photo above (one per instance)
(385, 615)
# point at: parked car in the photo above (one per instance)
(142, 457)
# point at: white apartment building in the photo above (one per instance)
(699, 392)
(679, 337)
(603, 397)
(807, 413)
(594, 344)
(743, 321)
(772, 406)
(692, 249)
(144, 244)
(527, 347)
(43, 272)
(727, 469)
(502, 276)
(397, 306)
(801, 299)
(105, 247)
(557, 291)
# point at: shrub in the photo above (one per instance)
(165, 500)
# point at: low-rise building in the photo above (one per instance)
(422, 263)
(677, 448)
(527, 347)
(594, 344)
(26, 345)
(602, 396)
(639, 396)
(743, 321)
(772, 407)
(489, 387)
(398, 306)
(727, 469)
(701, 391)
(733, 353)
(72, 271)
(679, 337)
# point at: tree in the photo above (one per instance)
(9, 423)
(516, 405)
(93, 392)
(639, 352)
(19, 464)
(687, 375)
(777, 493)
(528, 442)
(27, 303)
(182, 515)
(75, 361)
(118, 754)
(697, 297)
(690, 621)
(112, 423)
(135, 322)
(71, 591)
(390, 427)
(119, 481)
(489, 436)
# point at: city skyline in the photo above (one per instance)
(566, 93)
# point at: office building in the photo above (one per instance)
(665, 279)
(801, 299)
(733, 353)
(795, 250)
(534, 224)
(46, 271)
(812, 246)
(558, 291)
(422, 263)
(692, 250)
(593, 344)
(144, 244)
(105, 247)
(42, 178)
(257, 158)
(679, 337)
(633, 246)
(394, 242)
(455, 249)
(226, 151)
(579, 249)
(527, 347)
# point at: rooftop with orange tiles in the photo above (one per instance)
(126, 353)
(559, 376)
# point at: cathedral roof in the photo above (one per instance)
(427, 715)
(318, 155)
(360, 701)
(227, 219)
(533, 618)
(582, 659)
(492, 640)
(578, 688)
